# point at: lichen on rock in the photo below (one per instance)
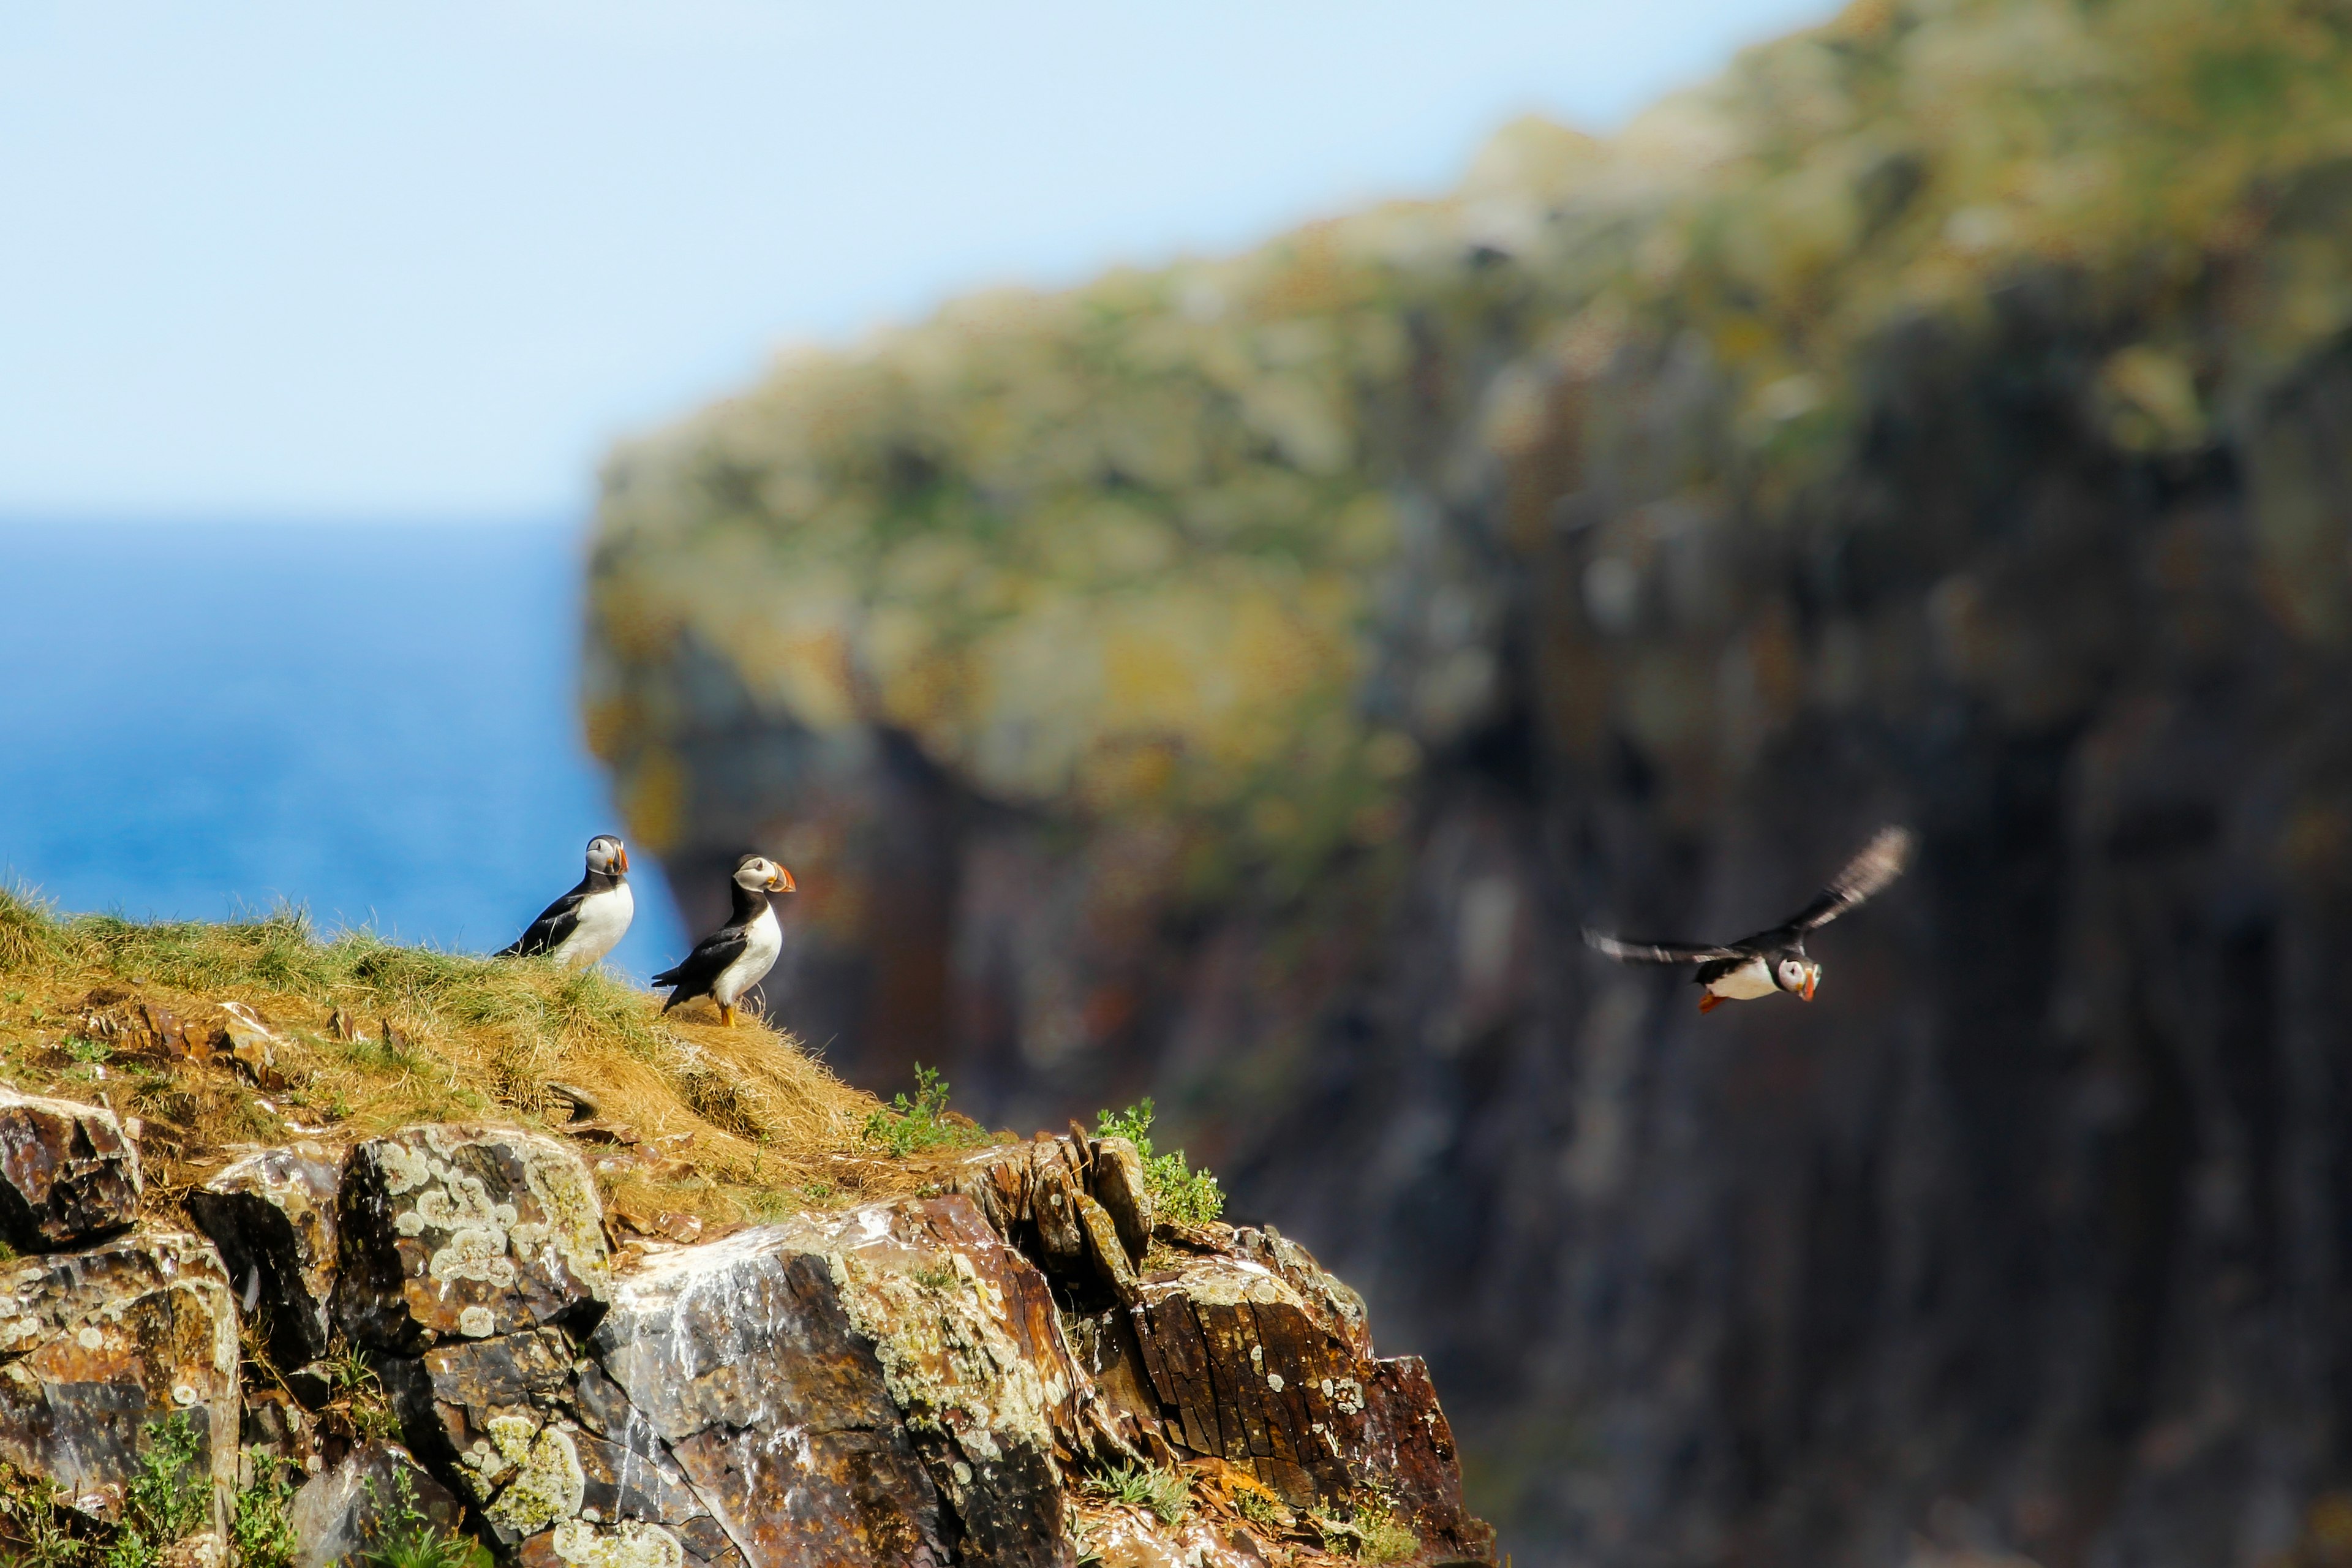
(455, 1231)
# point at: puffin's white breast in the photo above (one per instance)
(601, 920)
(1744, 984)
(763, 940)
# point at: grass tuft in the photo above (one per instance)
(413, 1541)
(1145, 1486)
(35, 1530)
(1178, 1192)
(1375, 1536)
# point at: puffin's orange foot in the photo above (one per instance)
(1709, 1003)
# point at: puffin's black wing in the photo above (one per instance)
(1656, 951)
(700, 969)
(1881, 861)
(554, 923)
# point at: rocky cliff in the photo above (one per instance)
(543, 1336)
(1243, 680)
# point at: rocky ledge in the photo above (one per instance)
(434, 1334)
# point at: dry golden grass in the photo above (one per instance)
(729, 1124)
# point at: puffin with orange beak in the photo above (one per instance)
(1774, 960)
(586, 923)
(734, 958)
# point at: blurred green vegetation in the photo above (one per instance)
(1134, 550)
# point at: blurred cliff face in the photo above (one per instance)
(1239, 682)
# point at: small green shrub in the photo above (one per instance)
(914, 1126)
(1146, 1486)
(940, 1280)
(1178, 1192)
(261, 1530)
(164, 1503)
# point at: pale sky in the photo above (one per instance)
(262, 259)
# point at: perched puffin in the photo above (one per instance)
(1774, 960)
(586, 923)
(730, 960)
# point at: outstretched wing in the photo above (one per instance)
(1655, 951)
(701, 968)
(544, 934)
(1881, 861)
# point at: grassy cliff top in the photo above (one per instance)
(727, 1124)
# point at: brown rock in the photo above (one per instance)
(343, 1517)
(96, 1346)
(67, 1175)
(1029, 1193)
(545, 1446)
(473, 1408)
(852, 1387)
(249, 1045)
(455, 1231)
(272, 1215)
(740, 1358)
(1268, 1379)
(1336, 1307)
(1106, 1249)
(1116, 1177)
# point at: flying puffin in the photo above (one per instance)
(1774, 960)
(730, 960)
(583, 925)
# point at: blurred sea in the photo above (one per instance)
(377, 722)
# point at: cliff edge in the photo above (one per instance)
(1241, 680)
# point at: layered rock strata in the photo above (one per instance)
(933, 1381)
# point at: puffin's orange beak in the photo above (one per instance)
(782, 881)
(625, 856)
(1812, 978)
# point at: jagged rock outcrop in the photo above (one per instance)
(377, 1497)
(464, 1232)
(97, 1346)
(272, 1215)
(891, 1384)
(67, 1175)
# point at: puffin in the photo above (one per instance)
(586, 923)
(1774, 959)
(731, 960)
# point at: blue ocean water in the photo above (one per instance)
(378, 722)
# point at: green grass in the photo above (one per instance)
(1178, 1192)
(361, 1396)
(413, 1541)
(1145, 1486)
(919, 1125)
(34, 1531)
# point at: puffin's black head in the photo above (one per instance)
(1794, 972)
(758, 874)
(608, 855)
